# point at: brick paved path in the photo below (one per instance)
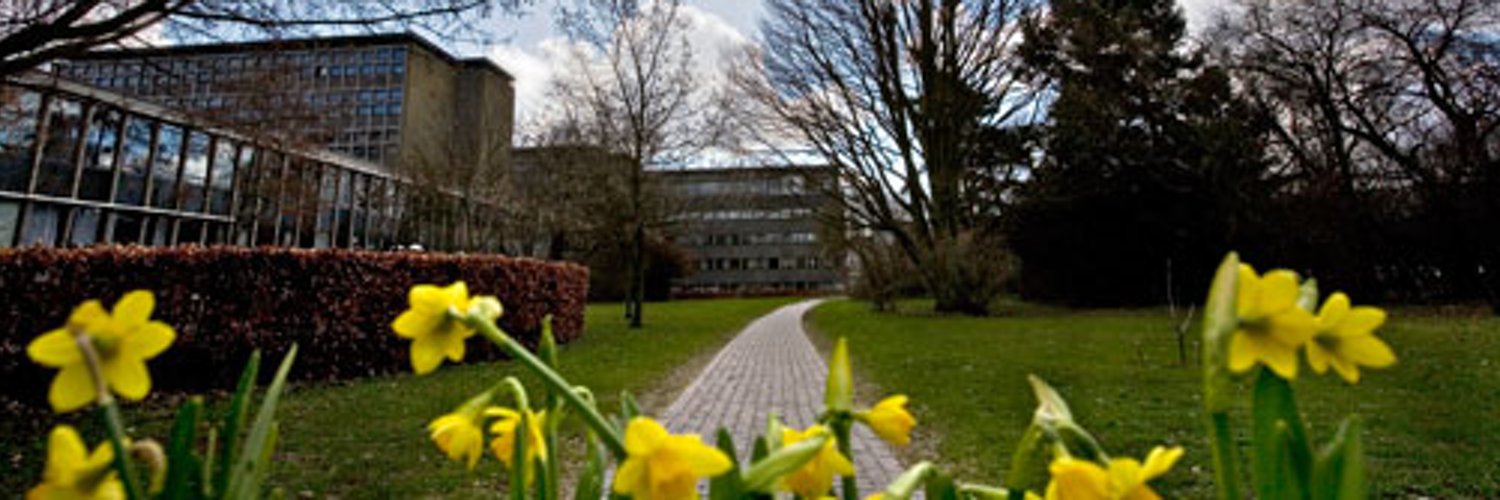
(771, 366)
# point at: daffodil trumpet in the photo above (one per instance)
(591, 416)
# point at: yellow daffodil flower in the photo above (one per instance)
(890, 420)
(1271, 328)
(459, 434)
(815, 478)
(1345, 339)
(1125, 479)
(433, 323)
(662, 466)
(123, 338)
(73, 472)
(504, 430)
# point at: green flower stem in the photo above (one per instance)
(841, 431)
(555, 382)
(1226, 474)
(109, 410)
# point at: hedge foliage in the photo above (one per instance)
(228, 301)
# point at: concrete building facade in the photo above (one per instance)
(394, 100)
(755, 230)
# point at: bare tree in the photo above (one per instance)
(1388, 108)
(904, 99)
(33, 32)
(632, 89)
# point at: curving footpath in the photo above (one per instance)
(771, 366)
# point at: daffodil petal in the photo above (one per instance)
(426, 355)
(72, 389)
(1281, 360)
(1247, 291)
(427, 298)
(65, 452)
(1369, 351)
(704, 460)
(1279, 290)
(457, 294)
(1360, 321)
(629, 476)
(148, 341)
(1293, 327)
(840, 463)
(128, 377)
(1073, 478)
(55, 349)
(412, 324)
(1159, 461)
(1346, 369)
(643, 435)
(1317, 357)
(453, 348)
(134, 308)
(1243, 352)
(1333, 309)
(89, 315)
(1142, 492)
(1125, 474)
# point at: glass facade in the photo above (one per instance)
(81, 167)
(348, 99)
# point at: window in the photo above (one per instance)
(99, 155)
(360, 209)
(327, 193)
(64, 129)
(18, 116)
(266, 188)
(87, 227)
(133, 163)
(10, 214)
(42, 226)
(221, 177)
(164, 169)
(195, 171)
(341, 210)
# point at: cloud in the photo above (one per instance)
(1201, 14)
(532, 73)
(715, 42)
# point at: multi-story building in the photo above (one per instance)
(81, 166)
(756, 229)
(395, 100)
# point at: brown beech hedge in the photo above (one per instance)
(228, 301)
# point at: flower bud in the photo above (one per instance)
(149, 452)
(487, 307)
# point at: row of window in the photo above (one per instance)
(772, 287)
(770, 186)
(736, 239)
(749, 214)
(759, 263)
(211, 64)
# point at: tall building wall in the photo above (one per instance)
(429, 121)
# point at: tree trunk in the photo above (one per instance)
(637, 275)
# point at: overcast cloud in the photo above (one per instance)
(534, 50)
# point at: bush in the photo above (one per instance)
(226, 302)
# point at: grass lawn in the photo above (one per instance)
(368, 439)
(1432, 422)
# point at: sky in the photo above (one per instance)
(531, 44)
